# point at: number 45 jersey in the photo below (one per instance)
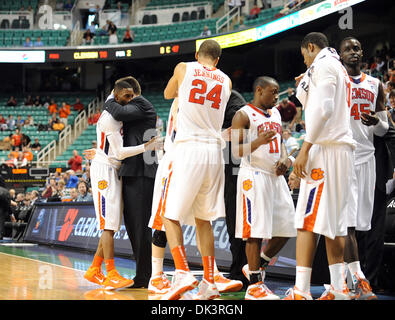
(202, 99)
(364, 92)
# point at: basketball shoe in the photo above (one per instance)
(159, 284)
(226, 285)
(115, 281)
(207, 291)
(95, 275)
(363, 290)
(182, 281)
(331, 294)
(259, 291)
(295, 294)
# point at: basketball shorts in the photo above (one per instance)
(362, 195)
(195, 187)
(161, 182)
(324, 194)
(107, 196)
(264, 206)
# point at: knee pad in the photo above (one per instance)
(159, 239)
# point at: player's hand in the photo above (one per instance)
(300, 165)
(267, 136)
(226, 134)
(156, 143)
(369, 119)
(293, 181)
(298, 79)
(89, 154)
(281, 167)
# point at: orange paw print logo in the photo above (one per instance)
(317, 174)
(102, 184)
(247, 185)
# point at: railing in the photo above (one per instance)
(227, 19)
(64, 140)
(47, 153)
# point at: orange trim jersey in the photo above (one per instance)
(265, 157)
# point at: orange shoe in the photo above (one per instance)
(259, 291)
(225, 284)
(332, 294)
(295, 294)
(115, 281)
(364, 291)
(95, 275)
(159, 284)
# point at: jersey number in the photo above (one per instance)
(357, 109)
(274, 146)
(198, 93)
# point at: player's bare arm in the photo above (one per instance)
(284, 163)
(171, 90)
(240, 123)
(301, 160)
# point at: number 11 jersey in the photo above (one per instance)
(202, 99)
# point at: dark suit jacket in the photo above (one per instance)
(139, 123)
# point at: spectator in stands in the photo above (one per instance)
(68, 5)
(92, 28)
(19, 121)
(59, 5)
(64, 113)
(28, 42)
(25, 141)
(21, 216)
(112, 39)
(71, 179)
(57, 125)
(288, 113)
(95, 117)
(234, 3)
(36, 146)
(86, 176)
(63, 193)
(50, 189)
(73, 194)
(96, 19)
(242, 26)
(254, 12)
(29, 8)
(290, 142)
(128, 36)
(78, 106)
(38, 42)
(53, 107)
(29, 101)
(6, 142)
(27, 156)
(391, 109)
(16, 139)
(88, 37)
(12, 162)
(37, 101)
(34, 197)
(206, 32)
(75, 162)
(29, 122)
(12, 102)
(83, 192)
(112, 28)
(11, 122)
(3, 123)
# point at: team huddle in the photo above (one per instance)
(335, 171)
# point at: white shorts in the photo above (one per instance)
(362, 196)
(264, 206)
(107, 196)
(325, 192)
(195, 187)
(160, 186)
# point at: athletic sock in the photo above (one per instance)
(355, 269)
(157, 266)
(97, 261)
(179, 257)
(303, 277)
(110, 265)
(255, 276)
(208, 268)
(337, 275)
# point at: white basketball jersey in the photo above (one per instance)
(364, 92)
(265, 157)
(202, 99)
(105, 126)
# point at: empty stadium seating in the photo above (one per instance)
(16, 5)
(156, 3)
(16, 37)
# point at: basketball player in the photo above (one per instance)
(194, 193)
(106, 188)
(325, 165)
(265, 208)
(159, 283)
(368, 118)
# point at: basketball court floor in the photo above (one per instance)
(39, 272)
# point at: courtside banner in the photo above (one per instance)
(74, 225)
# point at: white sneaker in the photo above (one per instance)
(332, 294)
(259, 291)
(159, 284)
(207, 291)
(182, 281)
(295, 294)
(246, 271)
(226, 285)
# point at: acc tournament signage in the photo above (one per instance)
(16, 56)
(74, 225)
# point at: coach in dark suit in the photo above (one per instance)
(237, 246)
(138, 175)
